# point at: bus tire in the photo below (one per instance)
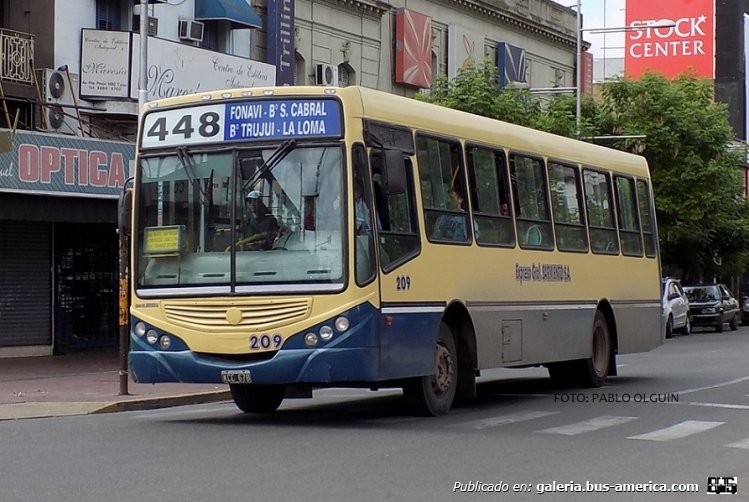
(433, 395)
(594, 370)
(257, 398)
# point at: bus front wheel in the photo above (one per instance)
(257, 398)
(433, 395)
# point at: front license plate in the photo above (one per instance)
(236, 376)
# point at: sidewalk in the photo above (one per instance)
(84, 383)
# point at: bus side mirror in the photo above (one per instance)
(395, 167)
(124, 206)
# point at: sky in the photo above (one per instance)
(600, 14)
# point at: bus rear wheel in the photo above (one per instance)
(257, 398)
(594, 370)
(433, 395)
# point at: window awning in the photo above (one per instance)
(234, 11)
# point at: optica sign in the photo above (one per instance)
(670, 36)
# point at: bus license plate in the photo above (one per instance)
(236, 376)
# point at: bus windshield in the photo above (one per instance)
(241, 220)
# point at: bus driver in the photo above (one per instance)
(261, 228)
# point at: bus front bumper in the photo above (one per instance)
(295, 366)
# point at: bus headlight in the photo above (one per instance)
(140, 329)
(310, 339)
(341, 324)
(326, 333)
(151, 336)
(165, 342)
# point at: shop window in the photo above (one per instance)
(300, 71)
(346, 75)
(109, 15)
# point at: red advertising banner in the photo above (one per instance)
(586, 72)
(413, 48)
(687, 42)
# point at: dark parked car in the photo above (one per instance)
(713, 305)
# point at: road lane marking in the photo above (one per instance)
(509, 418)
(722, 405)
(707, 387)
(678, 431)
(740, 444)
(588, 425)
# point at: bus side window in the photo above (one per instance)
(364, 250)
(490, 197)
(566, 206)
(646, 218)
(443, 192)
(601, 221)
(531, 203)
(629, 222)
(398, 235)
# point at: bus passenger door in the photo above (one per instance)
(407, 331)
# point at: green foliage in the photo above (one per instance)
(702, 215)
(698, 180)
(475, 89)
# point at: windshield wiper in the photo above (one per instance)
(277, 156)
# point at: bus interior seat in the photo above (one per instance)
(533, 236)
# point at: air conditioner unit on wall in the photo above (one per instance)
(59, 98)
(326, 74)
(190, 29)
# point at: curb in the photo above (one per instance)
(49, 409)
(152, 403)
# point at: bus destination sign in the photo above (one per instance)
(259, 120)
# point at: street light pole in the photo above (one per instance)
(124, 216)
(143, 70)
(578, 72)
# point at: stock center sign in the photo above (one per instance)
(259, 120)
(685, 38)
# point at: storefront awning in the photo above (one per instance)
(235, 11)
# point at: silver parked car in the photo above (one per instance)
(675, 307)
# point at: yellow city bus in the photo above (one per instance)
(293, 238)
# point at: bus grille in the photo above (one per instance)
(238, 316)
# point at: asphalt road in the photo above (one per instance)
(676, 415)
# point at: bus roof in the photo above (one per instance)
(381, 106)
(437, 119)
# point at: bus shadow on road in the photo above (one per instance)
(352, 409)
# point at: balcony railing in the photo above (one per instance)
(17, 54)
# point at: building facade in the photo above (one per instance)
(70, 83)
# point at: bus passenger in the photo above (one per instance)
(451, 226)
(261, 227)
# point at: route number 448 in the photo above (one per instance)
(207, 126)
(186, 126)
